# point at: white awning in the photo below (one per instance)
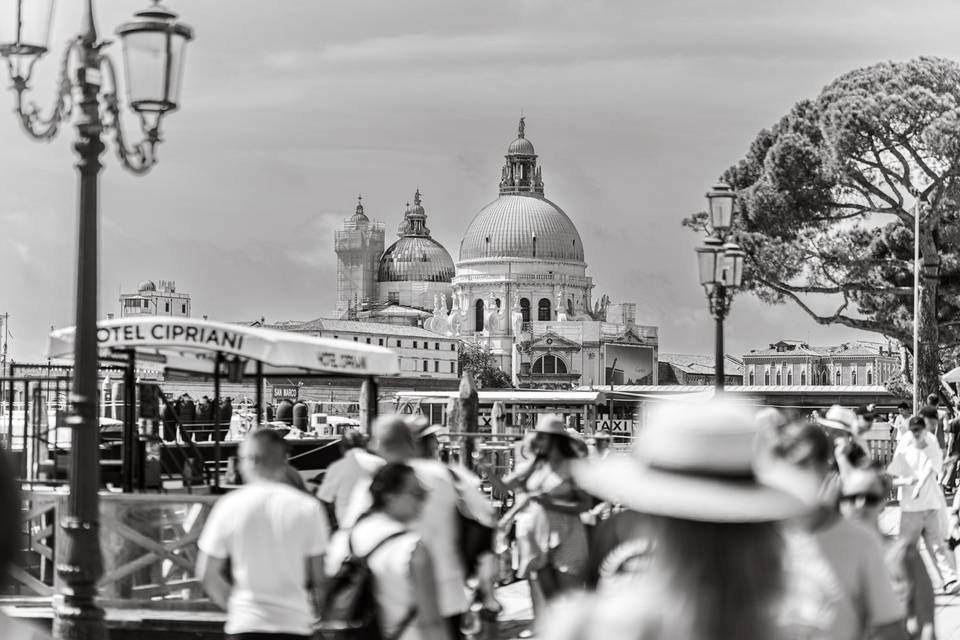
(191, 345)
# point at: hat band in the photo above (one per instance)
(733, 475)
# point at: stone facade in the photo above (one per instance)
(695, 370)
(153, 300)
(789, 362)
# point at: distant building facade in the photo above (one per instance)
(422, 353)
(358, 245)
(793, 362)
(682, 369)
(152, 299)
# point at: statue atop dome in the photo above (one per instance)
(521, 128)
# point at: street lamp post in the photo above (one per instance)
(720, 266)
(153, 48)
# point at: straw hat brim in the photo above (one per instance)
(563, 433)
(626, 481)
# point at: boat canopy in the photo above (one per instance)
(192, 346)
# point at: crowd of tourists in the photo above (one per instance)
(724, 521)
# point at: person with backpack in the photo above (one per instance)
(382, 585)
(261, 549)
(437, 524)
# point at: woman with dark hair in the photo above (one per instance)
(551, 538)
(404, 584)
(10, 547)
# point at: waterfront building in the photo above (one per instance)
(685, 369)
(152, 299)
(794, 362)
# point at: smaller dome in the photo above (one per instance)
(521, 147)
(415, 259)
(147, 285)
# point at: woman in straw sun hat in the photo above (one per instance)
(716, 566)
(551, 539)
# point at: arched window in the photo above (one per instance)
(525, 309)
(543, 310)
(803, 378)
(869, 377)
(790, 376)
(751, 378)
(478, 315)
(549, 364)
(778, 378)
(839, 378)
(766, 378)
(853, 377)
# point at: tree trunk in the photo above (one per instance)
(928, 355)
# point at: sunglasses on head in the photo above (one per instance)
(863, 499)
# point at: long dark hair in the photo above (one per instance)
(568, 447)
(728, 577)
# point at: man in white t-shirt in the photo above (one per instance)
(342, 476)
(901, 421)
(261, 550)
(915, 468)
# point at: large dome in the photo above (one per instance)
(522, 226)
(415, 259)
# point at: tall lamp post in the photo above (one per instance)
(153, 49)
(721, 266)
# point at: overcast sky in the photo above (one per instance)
(291, 108)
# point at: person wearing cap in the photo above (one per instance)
(863, 495)
(915, 467)
(715, 560)
(798, 458)
(551, 539)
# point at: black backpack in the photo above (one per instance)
(349, 608)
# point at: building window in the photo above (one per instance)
(183, 308)
(436, 366)
(853, 377)
(452, 370)
(368, 340)
(789, 377)
(424, 366)
(356, 338)
(399, 343)
(766, 378)
(453, 347)
(751, 378)
(478, 315)
(778, 378)
(436, 346)
(839, 378)
(543, 310)
(869, 377)
(336, 337)
(548, 365)
(393, 297)
(803, 378)
(381, 342)
(414, 344)
(525, 309)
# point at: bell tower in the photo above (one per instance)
(358, 246)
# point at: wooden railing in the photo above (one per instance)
(149, 545)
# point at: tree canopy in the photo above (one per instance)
(826, 197)
(480, 362)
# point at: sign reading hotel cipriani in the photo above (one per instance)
(166, 333)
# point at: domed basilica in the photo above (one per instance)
(519, 287)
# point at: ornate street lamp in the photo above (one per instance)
(720, 266)
(153, 47)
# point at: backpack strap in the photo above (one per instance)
(376, 547)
